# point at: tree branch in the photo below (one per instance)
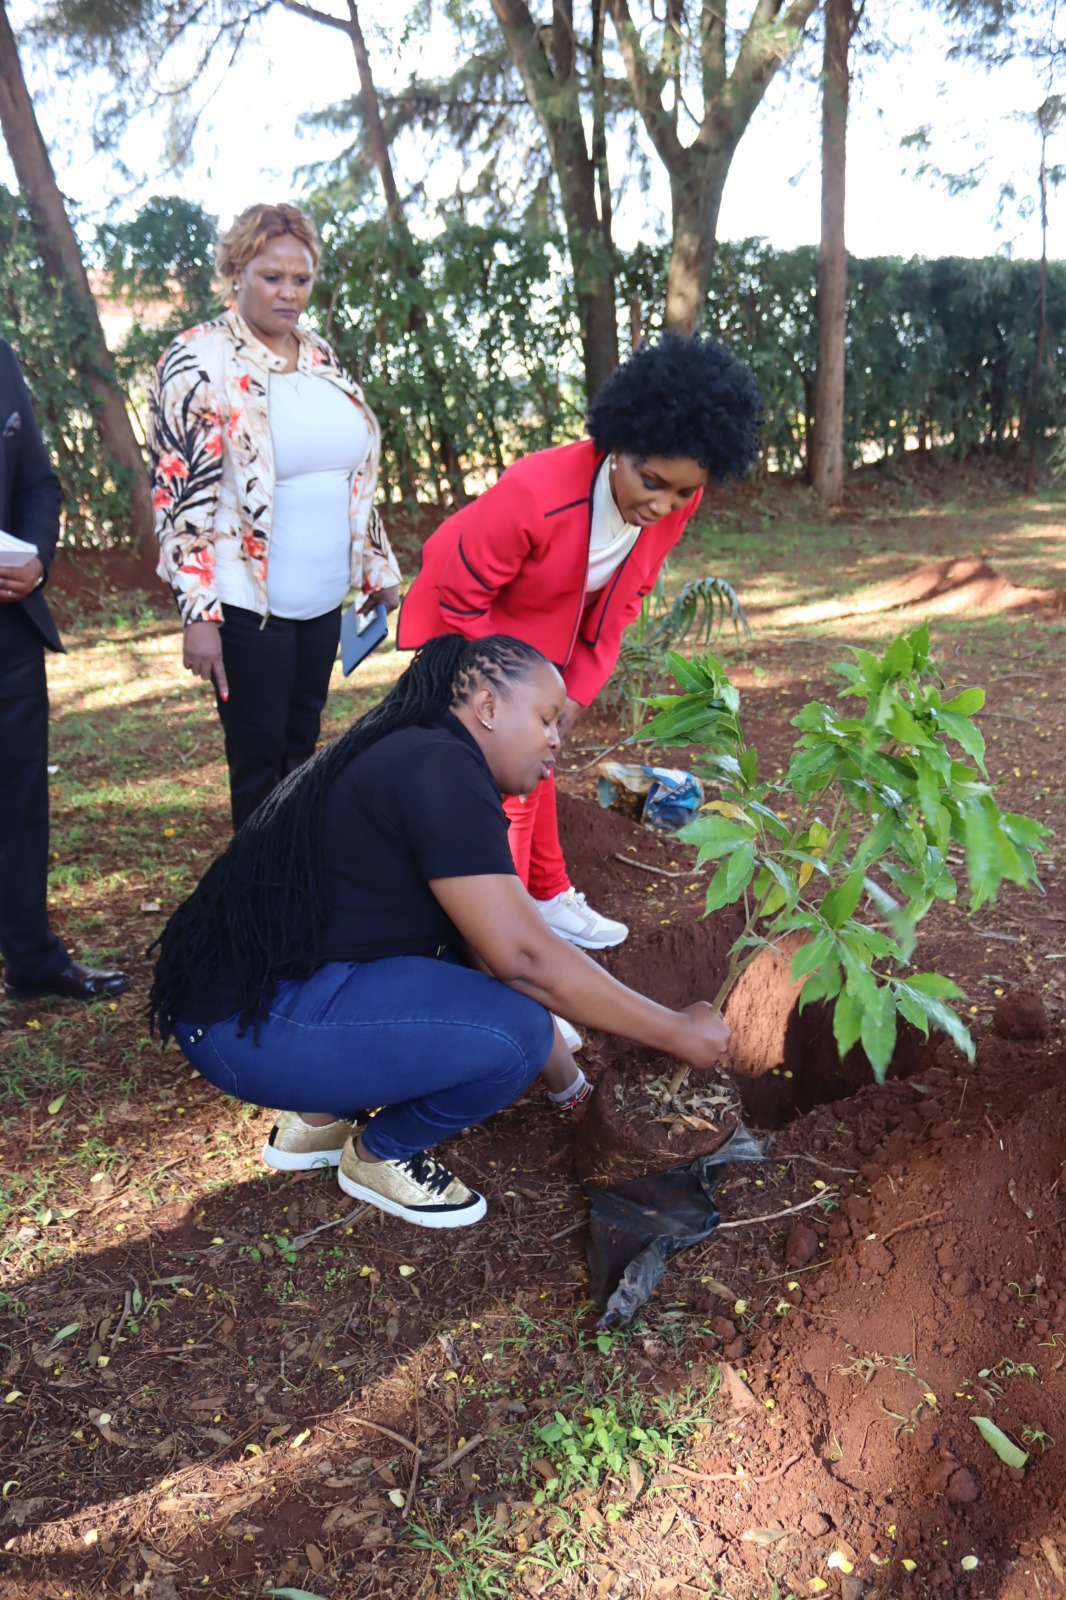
(768, 41)
(647, 85)
(314, 15)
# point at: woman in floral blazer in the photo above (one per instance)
(264, 467)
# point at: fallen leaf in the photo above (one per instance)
(763, 1536)
(56, 1104)
(155, 1562)
(315, 1559)
(398, 1498)
(405, 1271)
(1007, 1451)
(301, 1438)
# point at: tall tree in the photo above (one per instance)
(827, 456)
(146, 29)
(62, 259)
(547, 60)
(729, 96)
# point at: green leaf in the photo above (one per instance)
(294, 1594)
(878, 1032)
(935, 985)
(1007, 1451)
(740, 870)
(966, 733)
(840, 902)
(847, 1022)
(720, 891)
(688, 674)
(64, 1333)
(809, 957)
(898, 659)
(911, 1011)
(714, 836)
(1021, 830)
(773, 823)
(966, 703)
(56, 1104)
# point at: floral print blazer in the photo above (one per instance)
(212, 459)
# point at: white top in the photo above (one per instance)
(612, 537)
(320, 440)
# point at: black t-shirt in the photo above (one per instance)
(418, 805)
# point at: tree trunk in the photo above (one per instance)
(827, 461)
(1035, 426)
(378, 140)
(698, 171)
(555, 99)
(696, 199)
(62, 260)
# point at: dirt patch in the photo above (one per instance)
(956, 586)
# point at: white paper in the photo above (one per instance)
(15, 552)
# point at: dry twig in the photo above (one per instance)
(772, 1216)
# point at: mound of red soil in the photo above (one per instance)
(954, 585)
(930, 1289)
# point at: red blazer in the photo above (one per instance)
(516, 559)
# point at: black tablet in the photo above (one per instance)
(361, 632)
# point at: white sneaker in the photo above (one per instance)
(571, 917)
(571, 1038)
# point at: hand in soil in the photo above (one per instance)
(705, 1035)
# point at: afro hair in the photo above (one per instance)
(681, 397)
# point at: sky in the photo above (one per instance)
(249, 147)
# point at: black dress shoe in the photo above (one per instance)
(75, 983)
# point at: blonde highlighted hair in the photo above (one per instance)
(251, 231)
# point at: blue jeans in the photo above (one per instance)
(435, 1044)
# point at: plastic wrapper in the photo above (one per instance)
(664, 798)
(636, 1227)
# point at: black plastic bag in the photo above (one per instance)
(635, 1227)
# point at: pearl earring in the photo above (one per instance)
(485, 724)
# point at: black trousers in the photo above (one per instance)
(32, 953)
(278, 678)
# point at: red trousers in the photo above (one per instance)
(534, 840)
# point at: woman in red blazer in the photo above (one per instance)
(563, 549)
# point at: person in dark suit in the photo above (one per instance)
(36, 962)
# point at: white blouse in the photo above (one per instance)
(320, 437)
(612, 538)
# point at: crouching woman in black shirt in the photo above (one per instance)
(364, 941)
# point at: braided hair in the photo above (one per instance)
(258, 913)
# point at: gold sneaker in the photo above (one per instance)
(295, 1146)
(420, 1189)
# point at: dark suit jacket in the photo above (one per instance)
(29, 489)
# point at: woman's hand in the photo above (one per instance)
(17, 582)
(569, 717)
(389, 597)
(704, 1035)
(202, 654)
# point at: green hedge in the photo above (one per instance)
(472, 333)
